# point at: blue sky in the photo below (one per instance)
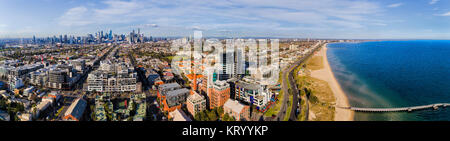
(359, 19)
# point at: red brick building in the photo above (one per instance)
(218, 94)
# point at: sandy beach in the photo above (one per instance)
(341, 99)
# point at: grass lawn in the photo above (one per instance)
(59, 111)
(291, 97)
(301, 116)
(275, 109)
(315, 63)
(170, 57)
(321, 100)
(288, 109)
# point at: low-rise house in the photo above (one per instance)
(236, 109)
(4, 116)
(42, 107)
(140, 112)
(179, 115)
(28, 91)
(76, 110)
(25, 117)
(195, 103)
(172, 96)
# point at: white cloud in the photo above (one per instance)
(76, 16)
(445, 14)
(433, 2)
(395, 5)
(233, 15)
(380, 24)
(152, 25)
(117, 8)
(145, 26)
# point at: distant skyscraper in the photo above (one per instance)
(110, 35)
(65, 39)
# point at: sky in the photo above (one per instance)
(339, 19)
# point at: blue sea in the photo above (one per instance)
(394, 74)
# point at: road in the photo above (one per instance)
(286, 94)
(2, 56)
(289, 73)
(140, 73)
(70, 96)
(67, 101)
(296, 99)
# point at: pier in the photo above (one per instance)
(402, 109)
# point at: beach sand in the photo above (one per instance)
(341, 99)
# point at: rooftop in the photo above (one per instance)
(249, 86)
(178, 115)
(234, 105)
(169, 86)
(177, 92)
(195, 97)
(77, 108)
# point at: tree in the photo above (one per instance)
(219, 111)
(212, 116)
(3, 104)
(197, 116)
(92, 112)
(232, 119)
(20, 107)
(226, 117)
(201, 116)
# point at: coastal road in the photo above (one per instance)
(295, 91)
(286, 94)
(289, 73)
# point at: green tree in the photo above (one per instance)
(226, 117)
(20, 107)
(232, 119)
(92, 112)
(212, 116)
(219, 111)
(3, 104)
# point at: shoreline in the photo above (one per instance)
(327, 75)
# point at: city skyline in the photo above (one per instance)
(395, 19)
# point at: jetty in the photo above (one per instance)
(401, 109)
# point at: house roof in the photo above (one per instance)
(178, 115)
(177, 92)
(234, 105)
(77, 108)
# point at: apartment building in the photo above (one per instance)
(252, 93)
(218, 94)
(60, 76)
(237, 110)
(172, 96)
(113, 77)
(195, 103)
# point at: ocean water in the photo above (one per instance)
(394, 74)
